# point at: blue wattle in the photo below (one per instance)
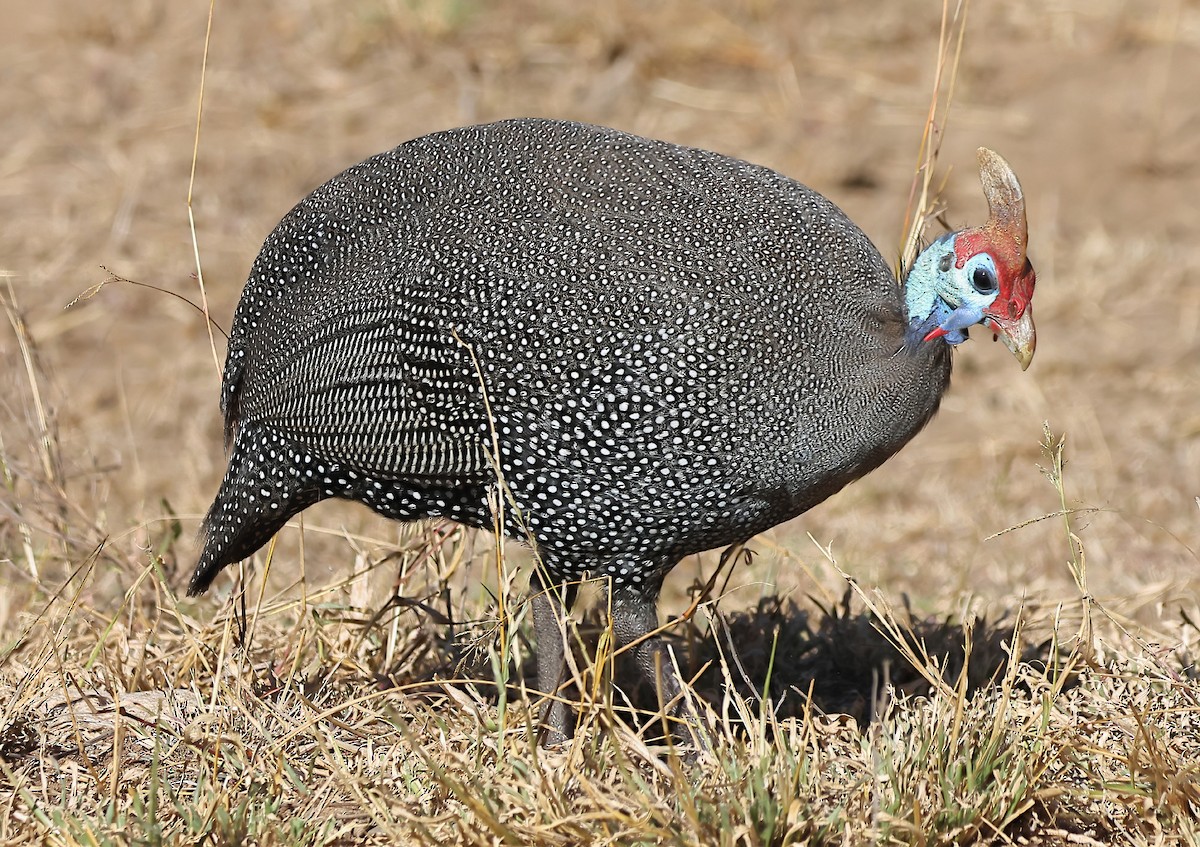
(954, 322)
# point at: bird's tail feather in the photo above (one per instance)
(262, 489)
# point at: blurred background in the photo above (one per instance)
(1094, 102)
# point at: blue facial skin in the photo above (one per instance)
(941, 295)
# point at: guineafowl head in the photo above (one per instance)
(979, 275)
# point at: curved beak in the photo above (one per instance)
(1019, 335)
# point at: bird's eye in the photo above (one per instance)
(983, 280)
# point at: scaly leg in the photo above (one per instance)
(550, 606)
(633, 615)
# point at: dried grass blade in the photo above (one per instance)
(922, 197)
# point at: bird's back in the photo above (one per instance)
(659, 349)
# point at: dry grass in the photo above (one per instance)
(344, 716)
(315, 708)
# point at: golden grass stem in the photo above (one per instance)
(46, 447)
(921, 199)
(212, 342)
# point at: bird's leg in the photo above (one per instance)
(634, 614)
(550, 606)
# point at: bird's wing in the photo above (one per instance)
(385, 387)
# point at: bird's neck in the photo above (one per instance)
(924, 308)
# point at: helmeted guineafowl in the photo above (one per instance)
(660, 350)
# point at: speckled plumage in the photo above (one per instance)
(678, 349)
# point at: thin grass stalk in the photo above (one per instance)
(921, 197)
(192, 185)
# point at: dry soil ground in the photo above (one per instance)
(1094, 102)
